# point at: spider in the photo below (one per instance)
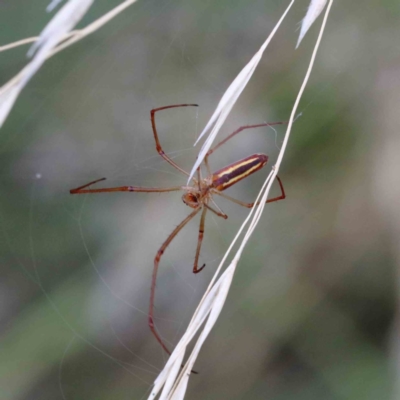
(198, 197)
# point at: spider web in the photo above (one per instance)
(77, 269)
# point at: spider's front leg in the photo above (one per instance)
(83, 190)
(160, 150)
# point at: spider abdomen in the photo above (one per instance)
(233, 173)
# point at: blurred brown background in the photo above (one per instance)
(311, 313)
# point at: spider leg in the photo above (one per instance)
(250, 205)
(283, 194)
(219, 213)
(242, 128)
(199, 178)
(158, 145)
(82, 189)
(160, 252)
(207, 165)
(199, 242)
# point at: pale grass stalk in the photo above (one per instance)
(231, 95)
(314, 10)
(212, 300)
(173, 383)
(18, 43)
(59, 26)
(53, 5)
(235, 89)
(62, 22)
(56, 36)
(94, 26)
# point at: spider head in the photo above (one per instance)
(191, 199)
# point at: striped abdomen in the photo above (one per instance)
(237, 171)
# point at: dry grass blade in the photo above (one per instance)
(231, 95)
(94, 26)
(53, 5)
(56, 36)
(315, 8)
(65, 19)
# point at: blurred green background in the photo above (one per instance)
(312, 310)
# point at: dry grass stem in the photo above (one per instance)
(56, 36)
(231, 95)
(18, 43)
(314, 10)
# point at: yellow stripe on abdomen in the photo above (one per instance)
(233, 173)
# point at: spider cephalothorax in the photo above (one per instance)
(192, 199)
(199, 197)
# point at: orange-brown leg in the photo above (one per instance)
(242, 128)
(250, 205)
(219, 213)
(83, 190)
(158, 145)
(199, 242)
(157, 259)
